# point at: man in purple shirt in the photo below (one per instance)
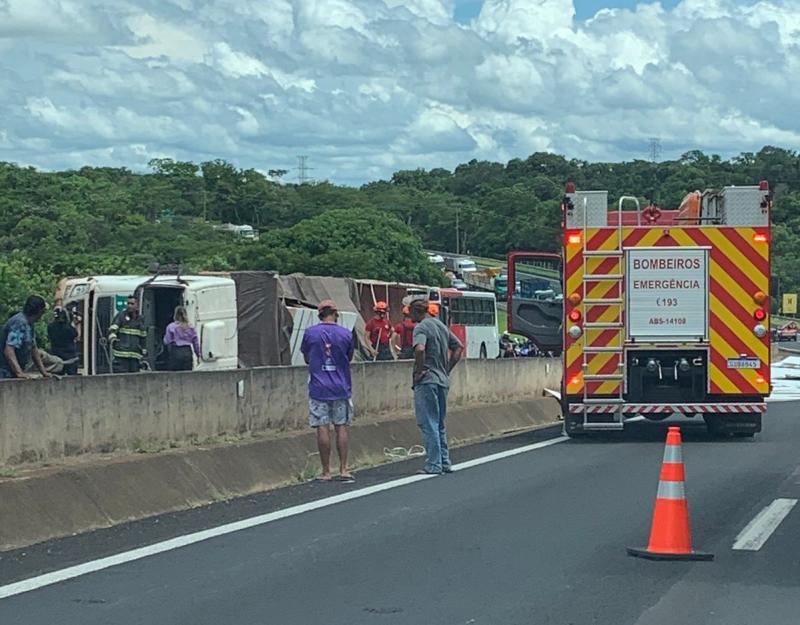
(328, 349)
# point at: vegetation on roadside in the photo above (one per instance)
(104, 220)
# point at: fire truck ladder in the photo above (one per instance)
(612, 303)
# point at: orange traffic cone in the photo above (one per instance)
(670, 536)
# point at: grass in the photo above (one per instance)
(502, 321)
(8, 472)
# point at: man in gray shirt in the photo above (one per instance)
(436, 352)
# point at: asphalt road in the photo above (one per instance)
(536, 538)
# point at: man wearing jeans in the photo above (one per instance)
(436, 352)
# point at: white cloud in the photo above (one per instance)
(537, 20)
(368, 86)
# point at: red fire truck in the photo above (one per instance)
(660, 313)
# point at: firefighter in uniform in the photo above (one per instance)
(380, 332)
(127, 337)
(405, 334)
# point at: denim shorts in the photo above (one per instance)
(337, 411)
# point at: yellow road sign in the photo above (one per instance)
(790, 303)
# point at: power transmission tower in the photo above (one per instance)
(655, 149)
(303, 169)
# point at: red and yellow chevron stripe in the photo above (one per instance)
(739, 267)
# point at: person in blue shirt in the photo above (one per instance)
(18, 339)
(328, 349)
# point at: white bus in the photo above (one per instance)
(470, 315)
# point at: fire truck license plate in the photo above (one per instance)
(744, 363)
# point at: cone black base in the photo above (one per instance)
(650, 555)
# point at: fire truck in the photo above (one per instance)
(661, 313)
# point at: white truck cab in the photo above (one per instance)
(210, 302)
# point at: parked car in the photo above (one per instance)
(460, 285)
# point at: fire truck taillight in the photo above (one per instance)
(759, 314)
(759, 297)
(758, 237)
(575, 299)
(575, 332)
(761, 380)
(760, 331)
(574, 238)
(575, 316)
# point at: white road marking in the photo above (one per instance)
(758, 531)
(79, 570)
(507, 454)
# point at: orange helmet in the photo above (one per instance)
(433, 310)
(381, 307)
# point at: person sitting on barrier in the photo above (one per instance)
(180, 339)
(18, 340)
(328, 349)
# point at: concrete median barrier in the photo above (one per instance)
(87, 428)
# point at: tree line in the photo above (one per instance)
(99, 220)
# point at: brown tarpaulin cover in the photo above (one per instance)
(265, 325)
(392, 294)
(309, 291)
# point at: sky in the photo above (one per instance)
(367, 87)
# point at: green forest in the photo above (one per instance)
(104, 220)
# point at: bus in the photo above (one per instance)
(470, 315)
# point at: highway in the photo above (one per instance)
(537, 537)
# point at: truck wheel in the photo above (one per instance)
(483, 352)
(572, 423)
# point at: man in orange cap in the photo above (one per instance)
(436, 352)
(328, 349)
(380, 333)
(404, 332)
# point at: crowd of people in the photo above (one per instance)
(22, 358)
(520, 348)
(328, 349)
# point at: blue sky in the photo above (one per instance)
(369, 87)
(468, 9)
